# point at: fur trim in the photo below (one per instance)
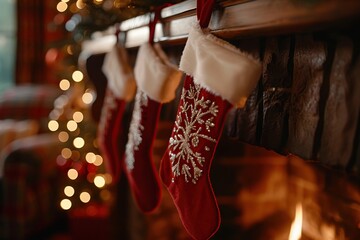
(220, 67)
(154, 73)
(119, 74)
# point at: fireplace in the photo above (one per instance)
(263, 195)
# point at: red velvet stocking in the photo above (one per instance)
(120, 90)
(110, 123)
(186, 163)
(141, 174)
(218, 77)
(157, 80)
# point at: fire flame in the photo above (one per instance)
(296, 226)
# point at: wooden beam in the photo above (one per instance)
(239, 19)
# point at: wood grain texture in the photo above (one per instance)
(340, 117)
(309, 60)
(354, 99)
(238, 18)
(246, 121)
(277, 78)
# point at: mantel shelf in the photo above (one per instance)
(245, 18)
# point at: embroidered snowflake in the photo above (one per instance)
(135, 130)
(195, 114)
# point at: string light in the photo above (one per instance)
(63, 136)
(77, 76)
(98, 1)
(87, 98)
(71, 125)
(85, 197)
(61, 6)
(64, 84)
(78, 116)
(80, 4)
(99, 181)
(69, 191)
(73, 174)
(53, 125)
(66, 153)
(65, 204)
(90, 157)
(98, 161)
(79, 142)
(108, 178)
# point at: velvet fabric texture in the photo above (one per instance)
(157, 80)
(139, 167)
(186, 163)
(121, 89)
(218, 77)
(109, 131)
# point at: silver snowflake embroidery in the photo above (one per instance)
(195, 114)
(135, 130)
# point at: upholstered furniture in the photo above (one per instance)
(28, 152)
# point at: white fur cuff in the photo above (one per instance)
(155, 75)
(119, 74)
(219, 67)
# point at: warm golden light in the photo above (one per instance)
(66, 153)
(80, 4)
(63, 136)
(99, 181)
(64, 84)
(53, 125)
(108, 178)
(98, 1)
(78, 116)
(69, 50)
(65, 1)
(90, 157)
(65, 204)
(98, 161)
(69, 191)
(87, 98)
(79, 142)
(71, 125)
(61, 6)
(77, 76)
(72, 174)
(85, 197)
(296, 226)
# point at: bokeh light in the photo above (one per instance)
(99, 181)
(69, 191)
(65, 204)
(72, 174)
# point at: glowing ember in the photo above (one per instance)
(296, 226)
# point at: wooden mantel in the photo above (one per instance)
(307, 102)
(239, 18)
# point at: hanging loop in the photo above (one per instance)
(204, 9)
(154, 20)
